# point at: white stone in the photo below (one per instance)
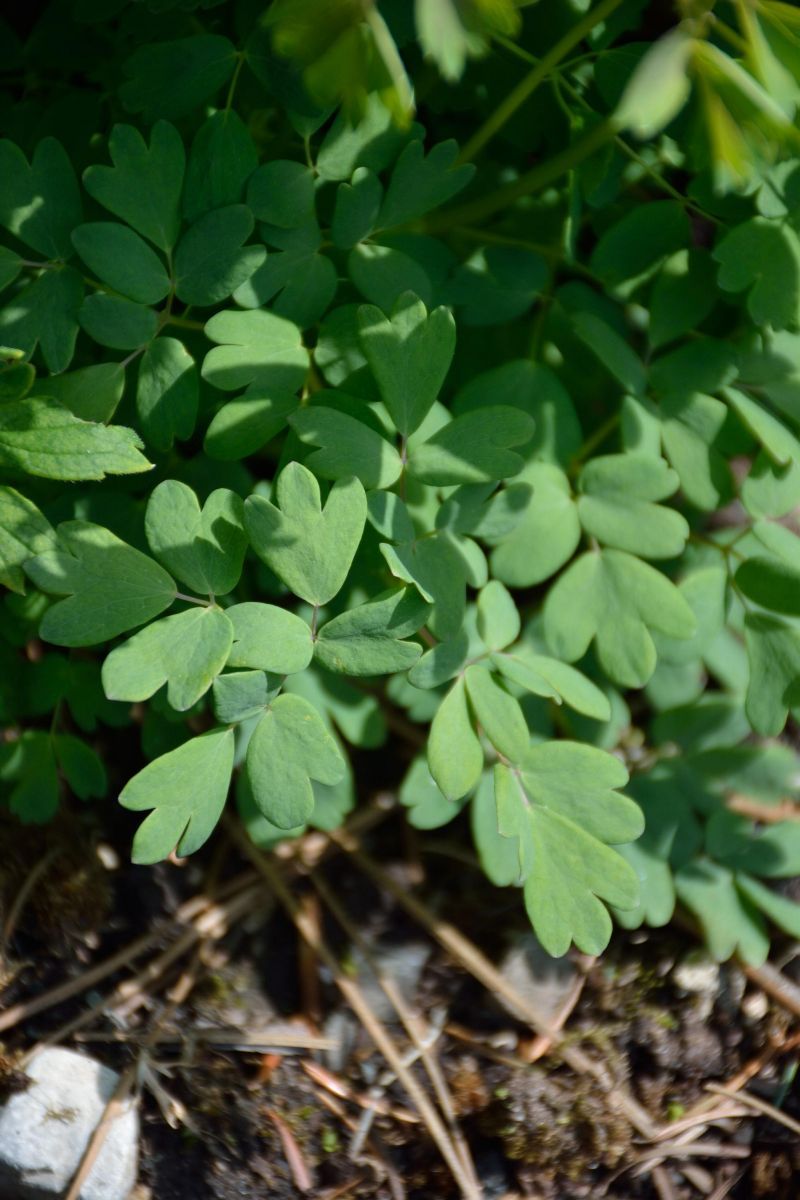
(545, 983)
(45, 1129)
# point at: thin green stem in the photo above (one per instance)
(183, 323)
(192, 600)
(596, 439)
(234, 80)
(532, 181)
(527, 86)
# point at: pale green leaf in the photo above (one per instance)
(42, 437)
(186, 651)
(204, 548)
(347, 447)
(110, 586)
(187, 790)
(455, 756)
(289, 748)
(368, 640)
(144, 185)
(308, 546)
(254, 347)
(269, 638)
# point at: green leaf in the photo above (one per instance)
(473, 448)
(383, 273)
(659, 87)
(683, 295)
(781, 445)
(373, 141)
(169, 79)
(123, 260)
(46, 312)
(356, 208)
(298, 283)
(556, 680)
(617, 505)
(211, 261)
(167, 392)
(773, 652)
(80, 766)
(110, 587)
(455, 756)
(203, 548)
(450, 34)
(289, 748)
(498, 616)
(409, 355)
(638, 244)
(187, 790)
(616, 600)
(499, 855)
(367, 640)
(549, 522)
(281, 193)
(17, 377)
(496, 284)
(497, 713)
(29, 764)
(764, 257)
(563, 807)
(39, 203)
(421, 182)
(43, 438)
(612, 351)
(10, 266)
(782, 911)
(427, 807)
(91, 393)
(309, 547)
(730, 922)
(243, 426)
(771, 583)
(347, 447)
(254, 348)
(438, 568)
(269, 638)
(222, 158)
(186, 651)
(116, 322)
(24, 533)
(243, 694)
(144, 185)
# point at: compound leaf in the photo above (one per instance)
(563, 807)
(617, 600)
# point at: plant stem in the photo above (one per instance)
(234, 80)
(184, 323)
(527, 86)
(532, 181)
(597, 438)
(192, 600)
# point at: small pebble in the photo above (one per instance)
(45, 1129)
